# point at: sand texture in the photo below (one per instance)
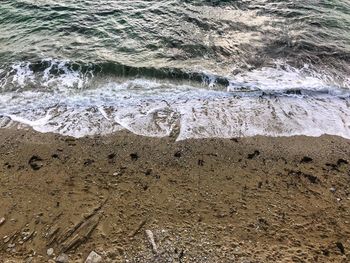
(129, 198)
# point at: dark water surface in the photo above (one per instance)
(200, 68)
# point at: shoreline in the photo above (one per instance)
(257, 199)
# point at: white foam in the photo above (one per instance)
(283, 77)
(156, 108)
(23, 73)
(58, 74)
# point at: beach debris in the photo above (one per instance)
(26, 235)
(148, 172)
(49, 252)
(342, 161)
(338, 165)
(93, 257)
(253, 155)
(88, 162)
(62, 258)
(134, 156)
(2, 220)
(333, 189)
(306, 159)
(234, 140)
(150, 238)
(35, 162)
(6, 239)
(140, 225)
(55, 156)
(177, 154)
(81, 231)
(313, 179)
(52, 234)
(111, 157)
(340, 246)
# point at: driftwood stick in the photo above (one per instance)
(133, 233)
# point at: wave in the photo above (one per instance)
(50, 72)
(80, 99)
(55, 73)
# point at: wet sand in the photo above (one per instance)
(257, 199)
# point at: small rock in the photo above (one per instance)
(332, 189)
(49, 252)
(342, 161)
(200, 162)
(340, 246)
(111, 156)
(62, 258)
(306, 159)
(11, 245)
(177, 154)
(35, 162)
(93, 258)
(2, 220)
(253, 155)
(134, 156)
(88, 162)
(150, 238)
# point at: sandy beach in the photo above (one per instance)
(136, 199)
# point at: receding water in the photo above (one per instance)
(191, 68)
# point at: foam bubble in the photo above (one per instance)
(23, 73)
(283, 77)
(55, 74)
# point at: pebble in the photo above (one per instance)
(93, 258)
(150, 238)
(332, 189)
(49, 252)
(2, 220)
(62, 258)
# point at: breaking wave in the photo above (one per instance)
(80, 99)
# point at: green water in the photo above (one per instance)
(208, 68)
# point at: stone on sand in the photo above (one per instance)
(62, 258)
(93, 258)
(49, 252)
(150, 238)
